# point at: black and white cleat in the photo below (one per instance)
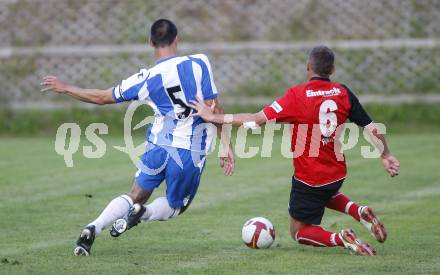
(85, 241)
(118, 227)
(133, 218)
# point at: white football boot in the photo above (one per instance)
(370, 221)
(355, 245)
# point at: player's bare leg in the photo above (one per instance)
(362, 214)
(317, 236)
(117, 208)
(139, 195)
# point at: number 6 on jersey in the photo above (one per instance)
(327, 118)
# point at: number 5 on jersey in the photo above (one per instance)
(181, 109)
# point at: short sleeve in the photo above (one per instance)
(357, 114)
(282, 109)
(130, 88)
(209, 90)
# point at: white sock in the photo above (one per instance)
(116, 209)
(159, 210)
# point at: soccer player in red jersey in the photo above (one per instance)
(316, 109)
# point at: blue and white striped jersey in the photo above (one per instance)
(168, 87)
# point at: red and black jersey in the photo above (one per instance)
(316, 110)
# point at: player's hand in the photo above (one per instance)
(52, 83)
(391, 165)
(228, 162)
(203, 110)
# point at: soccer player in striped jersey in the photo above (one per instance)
(316, 109)
(177, 142)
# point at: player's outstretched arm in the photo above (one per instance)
(390, 163)
(95, 96)
(227, 158)
(207, 113)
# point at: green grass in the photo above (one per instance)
(43, 206)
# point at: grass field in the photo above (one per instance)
(44, 205)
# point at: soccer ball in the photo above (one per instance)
(258, 233)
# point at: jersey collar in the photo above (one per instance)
(165, 59)
(320, 78)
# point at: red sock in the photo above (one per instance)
(343, 204)
(317, 236)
